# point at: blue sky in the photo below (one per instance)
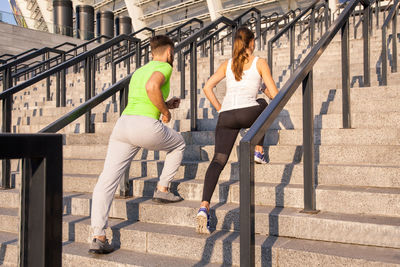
(5, 6)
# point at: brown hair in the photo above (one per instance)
(242, 41)
(159, 43)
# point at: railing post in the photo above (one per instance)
(312, 27)
(193, 86)
(377, 13)
(366, 44)
(326, 11)
(41, 208)
(384, 56)
(48, 94)
(247, 238)
(258, 30)
(394, 42)
(292, 43)
(211, 56)
(346, 76)
(182, 59)
(308, 145)
(58, 89)
(270, 55)
(93, 73)
(6, 127)
(114, 97)
(124, 185)
(88, 91)
(63, 84)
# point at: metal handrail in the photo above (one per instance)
(30, 56)
(144, 29)
(16, 56)
(87, 106)
(303, 74)
(184, 24)
(58, 57)
(290, 28)
(392, 17)
(67, 64)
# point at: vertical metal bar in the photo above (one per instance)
(63, 99)
(48, 94)
(377, 13)
(114, 97)
(124, 185)
(270, 55)
(6, 127)
(312, 27)
(193, 86)
(292, 43)
(258, 30)
(346, 76)
(58, 89)
(211, 56)
(247, 237)
(93, 73)
(138, 55)
(384, 56)
(308, 144)
(88, 128)
(394, 41)
(366, 44)
(183, 95)
(326, 11)
(41, 206)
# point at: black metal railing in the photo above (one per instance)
(281, 21)
(302, 75)
(12, 57)
(89, 76)
(40, 239)
(291, 27)
(122, 87)
(391, 18)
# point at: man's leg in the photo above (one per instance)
(167, 139)
(119, 156)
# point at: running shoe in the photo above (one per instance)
(203, 221)
(99, 247)
(259, 158)
(165, 197)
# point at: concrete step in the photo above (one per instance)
(75, 254)
(270, 252)
(383, 155)
(279, 173)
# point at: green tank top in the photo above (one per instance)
(138, 101)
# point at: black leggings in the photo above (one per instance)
(228, 126)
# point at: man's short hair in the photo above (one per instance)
(159, 43)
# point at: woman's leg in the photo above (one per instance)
(224, 140)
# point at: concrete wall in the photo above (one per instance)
(15, 39)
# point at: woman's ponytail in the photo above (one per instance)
(241, 43)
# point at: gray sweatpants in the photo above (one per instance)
(130, 134)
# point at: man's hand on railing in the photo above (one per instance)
(174, 102)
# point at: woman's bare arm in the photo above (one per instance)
(212, 82)
(262, 66)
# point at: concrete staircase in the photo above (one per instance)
(358, 175)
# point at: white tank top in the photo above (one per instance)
(243, 93)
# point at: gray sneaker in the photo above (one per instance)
(165, 197)
(98, 247)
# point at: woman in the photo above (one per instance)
(240, 108)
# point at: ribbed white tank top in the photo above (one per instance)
(243, 93)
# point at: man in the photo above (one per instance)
(140, 127)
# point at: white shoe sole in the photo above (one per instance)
(201, 227)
